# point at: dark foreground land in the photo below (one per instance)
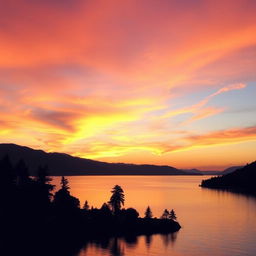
(35, 221)
(242, 180)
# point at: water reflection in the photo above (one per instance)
(108, 246)
(214, 222)
(226, 192)
(116, 248)
(148, 240)
(169, 239)
(120, 246)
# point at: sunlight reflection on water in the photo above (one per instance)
(214, 223)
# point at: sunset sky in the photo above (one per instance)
(138, 81)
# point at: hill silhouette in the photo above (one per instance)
(211, 172)
(192, 171)
(60, 164)
(231, 169)
(241, 180)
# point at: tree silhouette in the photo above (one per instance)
(117, 198)
(165, 214)
(44, 186)
(36, 221)
(86, 206)
(172, 215)
(42, 175)
(63, 201)
(131, 214)
(64, 184)
(105, 211)
(22, 173)
(105, 207)
(148, 213)
(7, 174)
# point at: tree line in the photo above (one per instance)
(30, 211)
(18, 177)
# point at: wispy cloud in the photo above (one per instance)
(199, 110)
(227, 136)
(100, 74)
(203, 113)
(188, 142)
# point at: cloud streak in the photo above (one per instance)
(110, 74)
(199, 110)
(216, 138)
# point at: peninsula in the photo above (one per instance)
(241, 180)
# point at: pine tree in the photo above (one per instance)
(63, 201)
(64, 184)
(117, 198)
(42, 175)
(86, 206)
(165, 214)
(43, 182)
(148, 213)
(172, 215)
(22, 173)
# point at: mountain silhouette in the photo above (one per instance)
(193, 171)
(211, 172)
(231, 169)
(60, 164)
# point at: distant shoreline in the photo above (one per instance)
(130, 175)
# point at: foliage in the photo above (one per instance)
(131, 214)
(148, 213)
(42, 175)
(64, 202)
(165, 214)
(64, 184)
(44, 188)
(22, 173)
(172, 215)
(86, 206)
(117, 199)
(105, 208)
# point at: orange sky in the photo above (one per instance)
(163, 82)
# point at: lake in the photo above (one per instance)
(214, 223)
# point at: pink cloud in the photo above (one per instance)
(77, 69)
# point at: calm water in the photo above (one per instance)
(213, 223)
